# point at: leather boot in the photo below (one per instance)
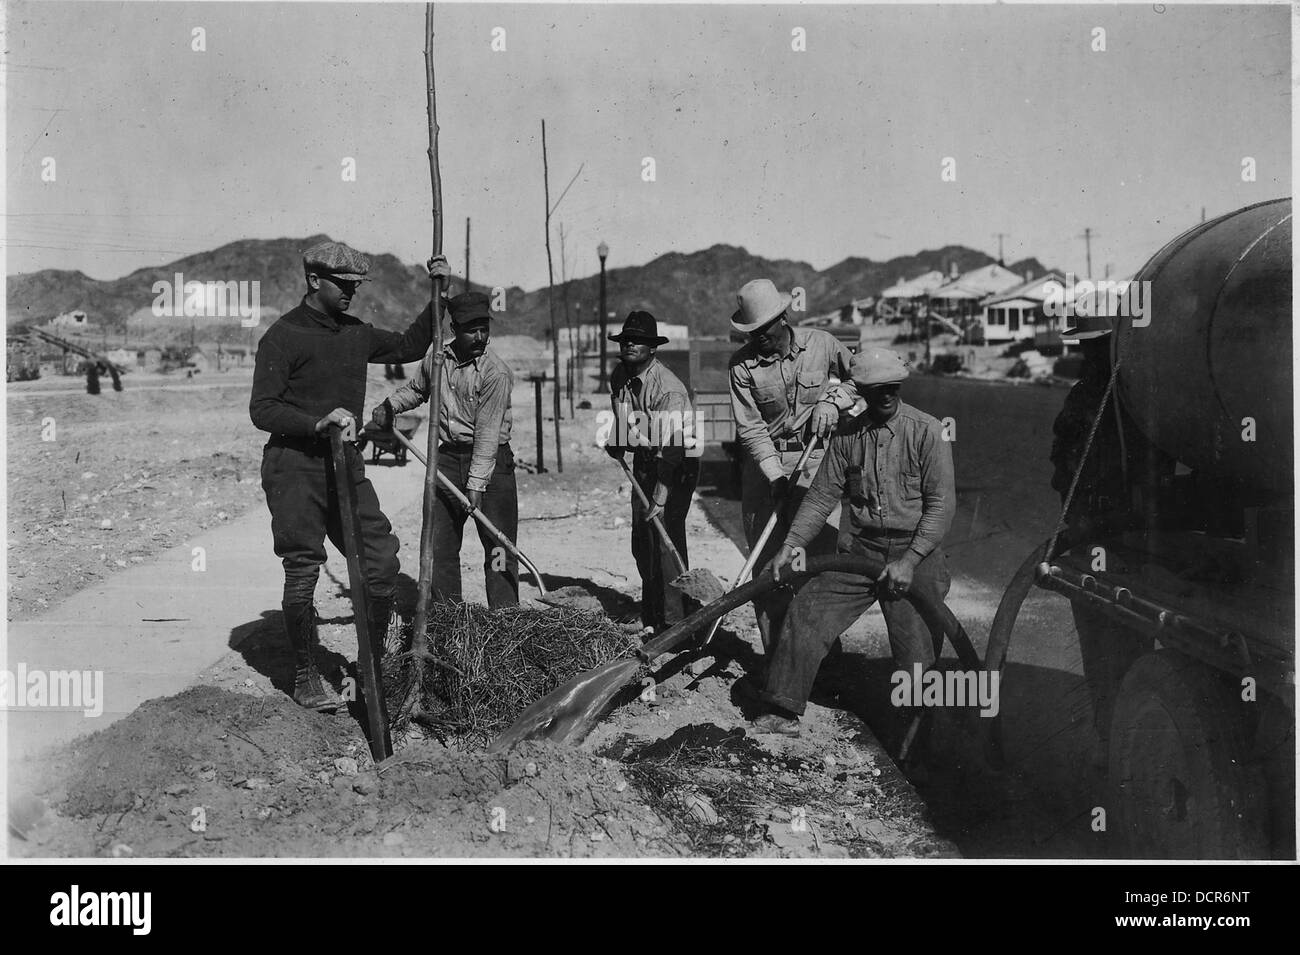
(310, 689)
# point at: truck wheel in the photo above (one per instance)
(1180, 788)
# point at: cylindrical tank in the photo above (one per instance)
(1207, 378)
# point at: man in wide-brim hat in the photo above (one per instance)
(654, 421)
(783, 394)
(893, 471)
(311, 375)
(473, 449)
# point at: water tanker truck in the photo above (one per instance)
(1180, 570)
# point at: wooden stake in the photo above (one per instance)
(550, 305)
(419, 645)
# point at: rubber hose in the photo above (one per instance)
(936, 614)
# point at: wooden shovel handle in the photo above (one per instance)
(659, 525)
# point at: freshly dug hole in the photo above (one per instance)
(489, 665)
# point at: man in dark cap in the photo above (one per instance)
(653, 420)
(473, 451)
(783, 395)
(893, 470)
(311, 374)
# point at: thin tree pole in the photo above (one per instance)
(550, 305)
(419, 644)
(568, 321)
(467, 253)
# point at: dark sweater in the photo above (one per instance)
(308, 364)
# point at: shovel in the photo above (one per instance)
(700, 584)
(568, 713)
(757, 549)
(478, 515)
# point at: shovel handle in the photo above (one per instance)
(474, 512)
(757, 549)
(381, 743)
(659, 524)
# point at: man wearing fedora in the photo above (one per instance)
(473, 451)
(652, 411)
(783, 395)
(311, 374)
(893, 471)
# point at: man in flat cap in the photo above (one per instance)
(782, 396)
(653, 420)
(310, 375)
(473, 450)
(893, 470)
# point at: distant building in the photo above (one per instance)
(959, 299)
(196, 359)
(1017, 313)
(75, 320)
(149, 359)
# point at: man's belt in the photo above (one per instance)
(788, 444)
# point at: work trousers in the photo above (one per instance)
(302, 496)
(661, 604)
(828, 604)
(500, 505)
(755, 511)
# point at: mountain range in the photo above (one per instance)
(696, 289)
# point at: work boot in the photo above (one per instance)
(310, 689)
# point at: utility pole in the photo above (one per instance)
(602, 387)
(1087, 240)
(467, 253)
(1000, 236)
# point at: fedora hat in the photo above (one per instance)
(1087, 327)
(640, 327)
(760, 304)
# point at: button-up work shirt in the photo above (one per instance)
(475, 407)
(895, 479)
(666, 425)
(773, 397)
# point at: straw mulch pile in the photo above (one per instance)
(489, 665)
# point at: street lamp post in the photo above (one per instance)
(602, 387)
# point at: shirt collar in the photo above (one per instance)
(450, 352)
(320, 318)
(796, 346)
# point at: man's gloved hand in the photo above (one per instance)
(824, 418)
(339, 416)
(777, 489)
(382, 416)
(475, 499)
(438, 267)
(781, 562)
(895, 579)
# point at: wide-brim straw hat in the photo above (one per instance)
(760, 304)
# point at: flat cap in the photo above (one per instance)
(877, 366)
(468, 306)
(338, 260)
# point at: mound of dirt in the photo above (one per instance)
(214, 773)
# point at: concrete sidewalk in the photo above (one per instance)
(152, 628)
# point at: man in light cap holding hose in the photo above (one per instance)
(894, 471)
(783, 395)
(310, 375)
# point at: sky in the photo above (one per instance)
(161, 150)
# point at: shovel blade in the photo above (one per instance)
(567, 713)
(699, 584)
